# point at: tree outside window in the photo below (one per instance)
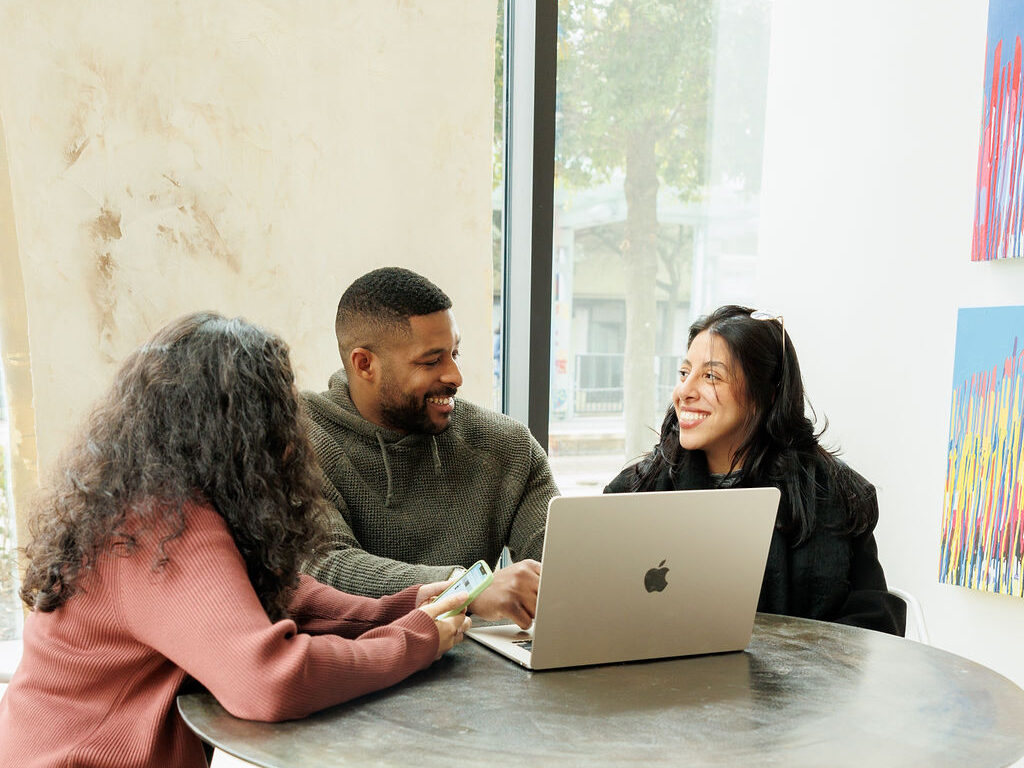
(658, 139)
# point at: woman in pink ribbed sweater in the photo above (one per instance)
(169, 548)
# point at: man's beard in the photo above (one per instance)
(405, 413)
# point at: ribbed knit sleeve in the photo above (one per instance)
(200, 611)
(318, 609)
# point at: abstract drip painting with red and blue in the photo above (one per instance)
(999, 202)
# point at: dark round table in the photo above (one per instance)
(804, 693)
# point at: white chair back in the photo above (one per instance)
(917, 630)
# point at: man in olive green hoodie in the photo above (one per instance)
(424, 485)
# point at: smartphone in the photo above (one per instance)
(473, 582)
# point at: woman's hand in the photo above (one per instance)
(452, 630)
(433, 589)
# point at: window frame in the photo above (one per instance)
(531, 31)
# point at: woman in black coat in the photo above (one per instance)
(737, 419)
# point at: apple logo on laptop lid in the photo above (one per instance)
(654, 579)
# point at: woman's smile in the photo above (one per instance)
(710, 402)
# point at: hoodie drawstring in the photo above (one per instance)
(435, 454)
(387, 468)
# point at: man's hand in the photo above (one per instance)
(452, 630)
(512, 594)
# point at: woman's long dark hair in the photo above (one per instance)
(206, 411)
(780, 446)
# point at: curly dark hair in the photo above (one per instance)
(206, 411)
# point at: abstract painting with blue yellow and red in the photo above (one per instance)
(983, 514)
(999, 205)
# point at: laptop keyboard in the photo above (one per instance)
(526, 645)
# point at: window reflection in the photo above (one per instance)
(497, 205)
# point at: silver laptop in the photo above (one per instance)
(644, 576)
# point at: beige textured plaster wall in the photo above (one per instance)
(249, 157)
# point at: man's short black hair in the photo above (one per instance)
(381, 302)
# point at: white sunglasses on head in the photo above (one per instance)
(761, 314)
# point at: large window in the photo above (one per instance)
(658, 112)
(658, 139)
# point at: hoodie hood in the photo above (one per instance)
(336, 404)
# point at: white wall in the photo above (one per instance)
(870, 161)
